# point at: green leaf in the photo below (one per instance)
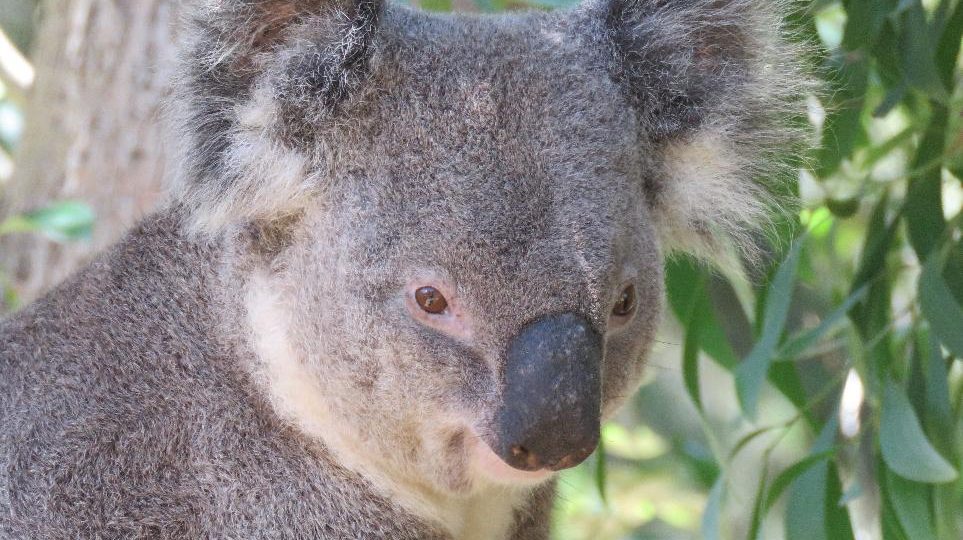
(62, 222)
(837, 522)
(751, 374)
(435, 5)
(799, 344)
(917, 44)
(940, 307)
(953, 271)
(843, 127)
(879, 239)
(948, 48)
(786, 477)
(683, 276)
(690, 351)
(910, 503)
(712, 516)
(813, 512)
(749, 437)
(600, 471)
(843, 208)
(904, 445)
(755, 522)
(938, 418)
(871, 316)
(924, 199)
(864, 20)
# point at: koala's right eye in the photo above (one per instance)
(431, 300)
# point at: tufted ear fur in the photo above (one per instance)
(254, 74)
(718, 92)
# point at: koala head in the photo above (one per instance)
(452, 227)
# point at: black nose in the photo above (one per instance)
(549, 417)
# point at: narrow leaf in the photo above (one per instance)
(924, 202)
(600, 470)
(806, 340)
(690, 356)
(751, 374)
(787, 476)
(806, 512)
(712, 517)
(940, 307)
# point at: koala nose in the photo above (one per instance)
(550, 412)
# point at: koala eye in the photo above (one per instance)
(431, 300)
(625, 304)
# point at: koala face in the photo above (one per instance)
(486, 275)
(475, 211)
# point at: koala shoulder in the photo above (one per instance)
(124, 412)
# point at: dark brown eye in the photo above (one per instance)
(431, 300)
(625, 305)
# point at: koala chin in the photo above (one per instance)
(410, 264)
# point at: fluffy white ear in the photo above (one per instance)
(719, 94)
(256, 75)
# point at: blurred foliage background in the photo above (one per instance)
(822, 397)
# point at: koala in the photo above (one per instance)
(410, 263)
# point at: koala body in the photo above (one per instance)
(412, 262)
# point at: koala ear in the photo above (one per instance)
(257, 79)
(719, 95)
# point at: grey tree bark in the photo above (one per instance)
(94, 131)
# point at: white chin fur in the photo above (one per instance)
(488, 466)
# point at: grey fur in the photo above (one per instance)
(335, 154)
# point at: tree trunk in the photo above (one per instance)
(94, 131)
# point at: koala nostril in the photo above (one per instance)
(523, 458)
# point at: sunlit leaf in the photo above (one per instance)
(435, 5)
(601, 471)
(62, 221)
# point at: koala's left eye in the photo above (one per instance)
(431, 300)
(625, 304)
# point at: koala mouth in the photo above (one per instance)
(550, 413)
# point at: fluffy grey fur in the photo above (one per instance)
(246, 363)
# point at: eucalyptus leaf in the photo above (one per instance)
(940, 307)
(601, 471)
(911, 505)
(712, 516)
(786, 477)
(924, 201)
(801, 343)
(62, 222)
(905, 448)
(751, 374)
